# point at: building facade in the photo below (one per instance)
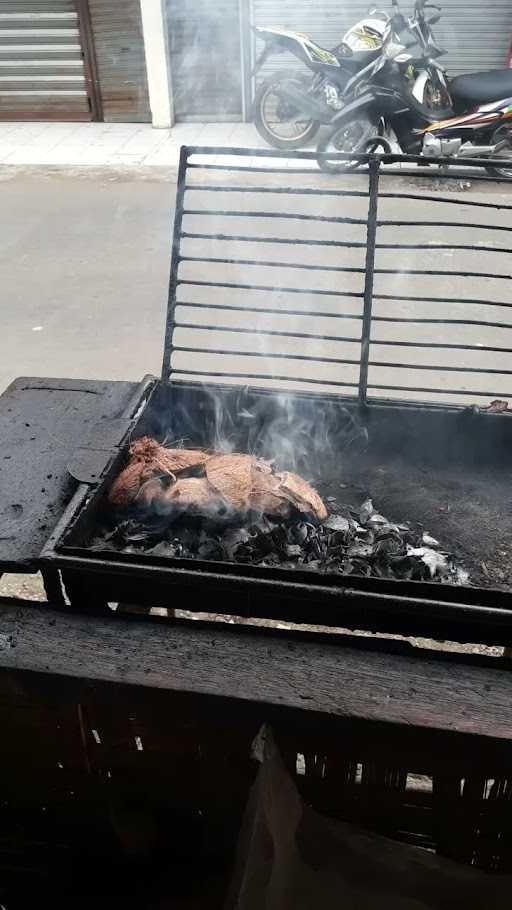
(163, 61)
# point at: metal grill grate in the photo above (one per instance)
(371, 284)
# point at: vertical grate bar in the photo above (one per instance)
(373, 194)
(175, 263)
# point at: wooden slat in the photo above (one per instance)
(316, 675)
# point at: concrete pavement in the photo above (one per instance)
(114, 145)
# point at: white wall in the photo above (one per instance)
(154, 29)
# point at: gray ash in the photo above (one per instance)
(350, 542)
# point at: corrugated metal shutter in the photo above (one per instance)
(120, 59)
(475, 34)
(41, 64)
(204, 47)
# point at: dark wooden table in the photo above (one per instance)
(112, 725)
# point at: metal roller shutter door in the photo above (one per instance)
(476, 35)
(41, 64)
(120, 60)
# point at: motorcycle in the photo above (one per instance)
(473, 119)
(288, 111)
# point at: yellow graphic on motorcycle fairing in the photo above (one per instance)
(322, 55)
(367, 38)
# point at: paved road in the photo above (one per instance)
(84, 269)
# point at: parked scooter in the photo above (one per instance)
(473, 120)
(288, 111)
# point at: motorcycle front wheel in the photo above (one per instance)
(351, 137)
(278, 122)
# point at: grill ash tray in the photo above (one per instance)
(453, 492)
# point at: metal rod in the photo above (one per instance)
(318, 191)
(175, 262)
(469, 300)
(189, 235)
(295, 216)
(255, 330)
(445, 224)
(373, 190)
(467, 392)
(419, 321)
(268, 287)
(276, 190)
(428, 247)
(268, 355)
(276, 311)
(335, 268)
(366, 158)
(443, 346)
(231, 375)
(439, 368)
(264, 263)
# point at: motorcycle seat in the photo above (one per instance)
(482, 88)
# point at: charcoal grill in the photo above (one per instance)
(370, 269)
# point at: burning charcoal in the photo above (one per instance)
(337, 523)
(293, 551)
(366, 511)
(164, 548)
(436, 563)
(376, 521)
(233, 539)
(364, 550)
(387, 546)
(210, 549)
(300, 532)
(461, 576)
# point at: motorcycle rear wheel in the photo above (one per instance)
(277, 122)
(504, 136)
(351, 137)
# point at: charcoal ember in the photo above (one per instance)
(211, 549)
(366, 511)
(337, 523)
(376, 521)
(300, 532)
(360, 550)
(388, 544)
(233, 539)
(293, 551)
(163, 548)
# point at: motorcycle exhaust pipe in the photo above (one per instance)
(292, 91)
(468, 150)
